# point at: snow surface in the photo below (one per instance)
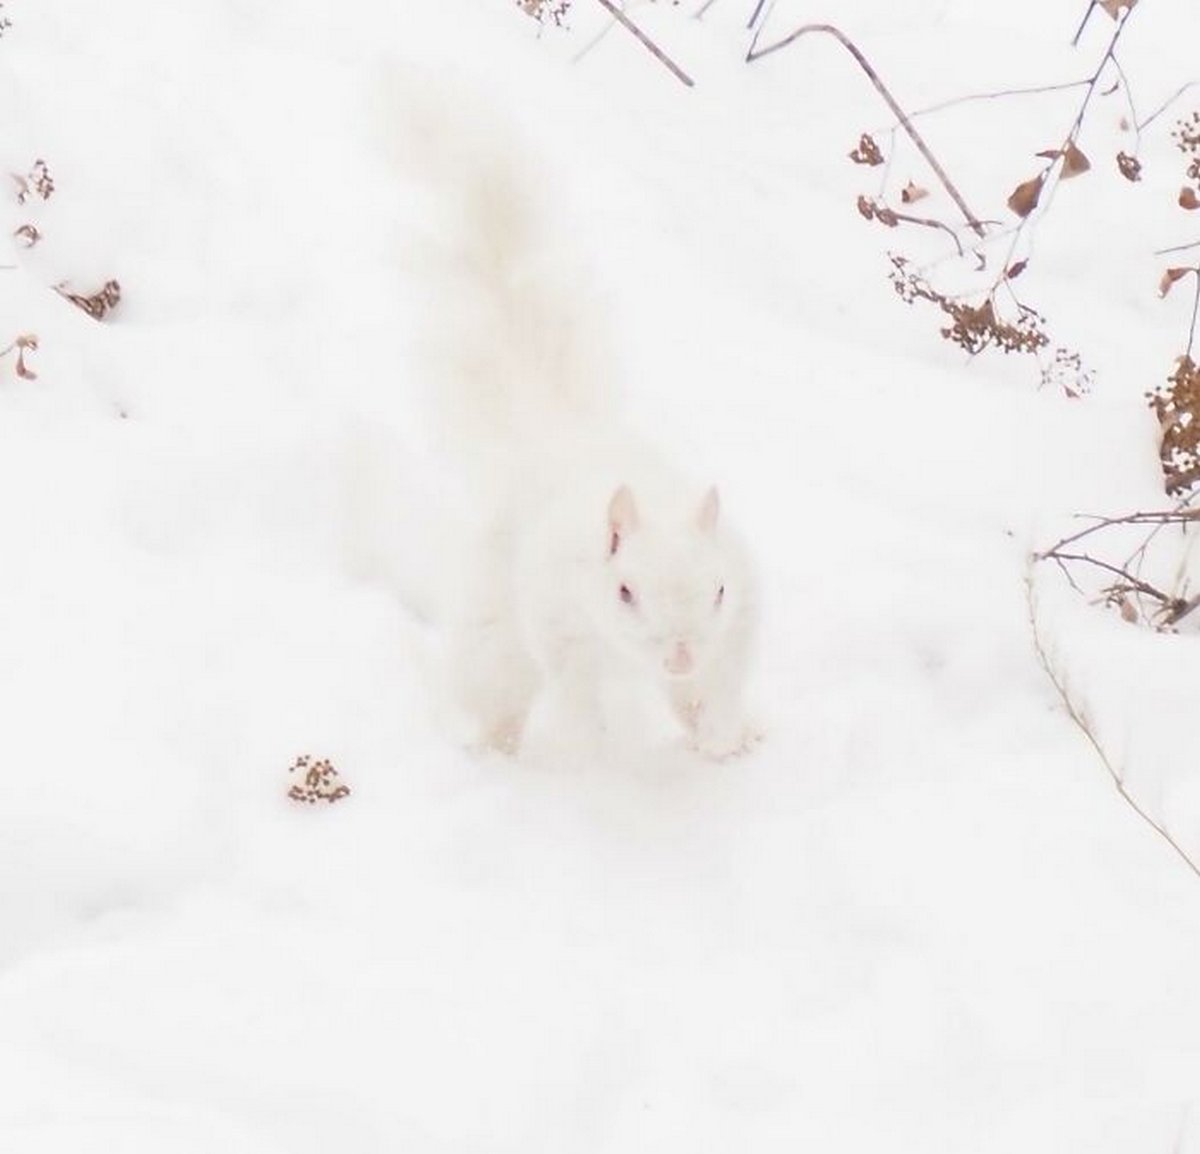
(918, 919)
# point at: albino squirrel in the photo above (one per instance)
(593, 564)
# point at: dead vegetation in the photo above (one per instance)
(318, 781)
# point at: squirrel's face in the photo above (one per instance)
(669, 590)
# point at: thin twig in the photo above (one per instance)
(1083, 23)
(1134, 583)
(1177, 248)
(1166, 104)
(646, 42)
(898, 112)
(929, 222)
(1178, 516)
(758, 10)
(1050, 186)
(1095, 81)
(1128, 91)
(1077, 716)
(593, 43)
(1195, 313)
(973, 97)
(1138, 556)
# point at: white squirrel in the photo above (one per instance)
(594, 564)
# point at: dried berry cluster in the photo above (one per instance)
(972, 327)
(319, 783)
(1176, 404)
(1187, 139)
(543, 10)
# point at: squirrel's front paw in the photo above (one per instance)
(724, 745)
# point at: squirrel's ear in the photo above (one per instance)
(710, 508)
(622, 517)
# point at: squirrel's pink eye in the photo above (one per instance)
(626, 594)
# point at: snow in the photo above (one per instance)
(918, 918)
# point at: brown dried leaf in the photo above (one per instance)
(1025, 196)
(1113, 7)
(871, 210)
(1128, 610)
(28, 233)
(1015, 269)
(1049, 153)
(867, 151)
(99, 303)
(911, 193)
(1170, 277)
(1188, 198)
(1074, 161)
(26, 341)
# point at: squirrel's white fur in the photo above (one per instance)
(595, 566)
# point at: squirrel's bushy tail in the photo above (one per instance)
(506, 337)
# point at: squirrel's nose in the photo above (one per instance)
(679, 660)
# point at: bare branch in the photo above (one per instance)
(1181, 515)
(1083, 23)
(646, 42)
(830, 30)
(1195, 314)
(1132, 583)
(1166, 104)
(1177, 248)
(758, 11)
(974, 97)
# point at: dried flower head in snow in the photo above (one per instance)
(318, 781)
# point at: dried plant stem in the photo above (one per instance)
(758, 11)
(1179, 516)
(929, 222)
(1166, 104)
(1077, 715)
(646, 42)
(998, 94)
(1134, 583)
(1172, 609)
(1094, 82)
(1195, 313)
(1173, 248)
(1083, 23)
(1050, 176)
(901, 116)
